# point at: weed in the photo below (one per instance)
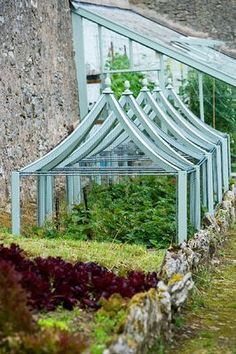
(109, 320)
(179, 321)
(158, 348)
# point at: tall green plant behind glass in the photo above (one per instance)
(219, 101)
(121, 62)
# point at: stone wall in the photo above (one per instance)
(38, 91)
(216, 17)
(150, 315)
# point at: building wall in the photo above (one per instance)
(38, 91)
(217, 17)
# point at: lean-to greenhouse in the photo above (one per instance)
(152, 133)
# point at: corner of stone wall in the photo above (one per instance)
(151, 313)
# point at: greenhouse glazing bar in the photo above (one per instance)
(155, 45)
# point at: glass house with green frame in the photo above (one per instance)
(165, 136)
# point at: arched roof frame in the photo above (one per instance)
(46, 166)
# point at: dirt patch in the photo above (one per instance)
(28, 217)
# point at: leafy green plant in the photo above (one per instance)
(135, 210)
(52, 323)
(215, 92)
(139, 210)
(61, 319)
(179, 321)
(119, 62)
(109, 320)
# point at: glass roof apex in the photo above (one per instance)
(198, 53)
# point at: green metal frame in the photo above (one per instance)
(157, 46)
(183, 145)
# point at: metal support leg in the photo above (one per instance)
(49, 195)
(182, 207)
(77, 189)
(201, 102)
(15, 202)
(210, 198)
(204, 184)
(219, 173)
(70, 191)
(192, 196)
(78, 41)
(226, 164)
(98, 178)
(214, 171)
(229, 156)
(41, 200)
(197, 200)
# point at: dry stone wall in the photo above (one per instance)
(38, 90)
(151, 313)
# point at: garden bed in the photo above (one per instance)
(120, 258)
(62, 302)
(77, 295)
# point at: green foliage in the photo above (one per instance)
(118, 62)
(202, 282)
(225, 103)
(138, 210)
(109, 320)
(52, 323)
(179, 321)
(158, 348)
(61, 319)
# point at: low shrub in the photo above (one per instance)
(139, 210)
(51, 341)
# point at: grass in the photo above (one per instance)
(117, 257)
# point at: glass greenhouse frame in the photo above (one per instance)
(168, 138)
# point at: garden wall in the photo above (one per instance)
(150, 314)
(38, 91)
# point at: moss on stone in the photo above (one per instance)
(175, 278)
